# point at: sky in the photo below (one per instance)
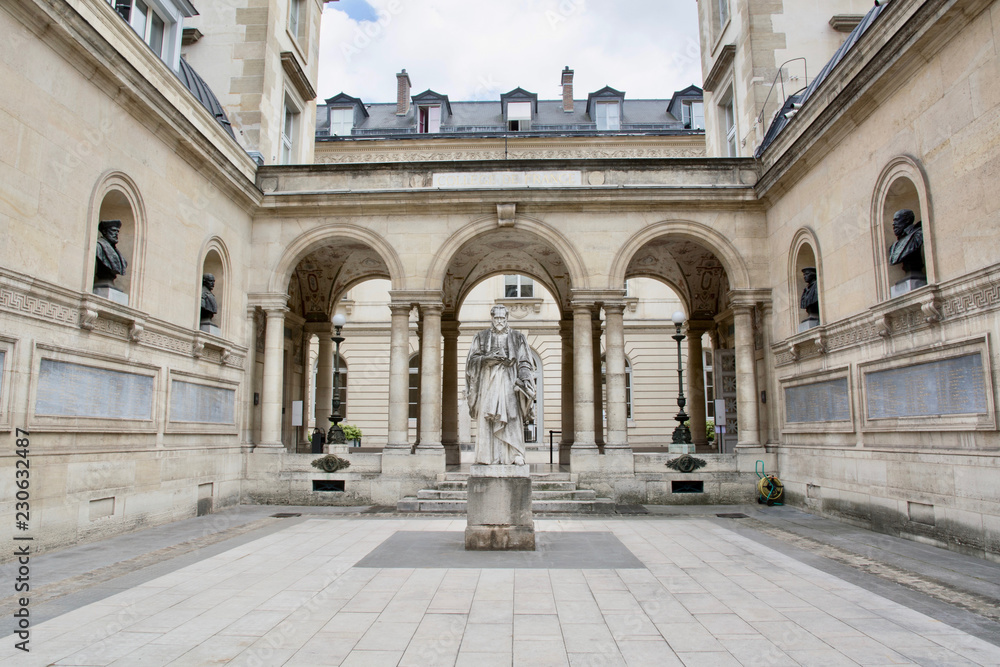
(478, 49)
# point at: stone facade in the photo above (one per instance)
(100, 128)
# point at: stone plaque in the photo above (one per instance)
(73, 390)
(191, 402)
(825, 401)
(947, 387)
(506, 179)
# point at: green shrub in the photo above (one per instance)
(351, 432)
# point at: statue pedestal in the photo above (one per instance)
(499, 509)
(907, 284)
(112, 294)
(210, 328)
(808, 323)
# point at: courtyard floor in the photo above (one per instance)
(353, 586)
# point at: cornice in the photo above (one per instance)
(722, 64)
(904, 38)
(140, 82)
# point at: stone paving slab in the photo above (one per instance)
(294, 594)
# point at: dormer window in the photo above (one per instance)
(608, 116)
(341, 121)
(518, 116)
(605, 108)
(158, 23)
(430, 119)
(693, 113)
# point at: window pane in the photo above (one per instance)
(156, 35)
(519, 111)
(527, 289)
(698, 113)
(434, 119)
(341, 122)
(139, 18)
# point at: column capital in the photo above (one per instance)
(398, 307)
(450, 328)
(318, 328)
(416, 297)
(748, 298)
(699, 326)
(615, 307)
(431, 308)
(596, 296)
(268, 301)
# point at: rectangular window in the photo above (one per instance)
(709, 386)
(729, 123)
(518, 116)
(430, 120)
(608, 117)
(694, 115)
(518, 287)
(341, 122)
(147, 23)
(156, 34)
(138, 21)
(295, 17)
(289, 127)
(723, 8)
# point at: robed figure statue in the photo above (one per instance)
(500, 385)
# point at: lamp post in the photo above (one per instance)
(336, 434)
(682, 434)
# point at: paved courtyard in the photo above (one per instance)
(674, 587)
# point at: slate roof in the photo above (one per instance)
(193, 82)
(486, 117)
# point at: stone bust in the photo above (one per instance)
(209, 306)
(810, 295)
(500, 386)
(110, 263)
(908, 250)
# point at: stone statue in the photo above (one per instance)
(908, 249)
(499, 381)
(110, 262)
(810, 296)
(209, 306)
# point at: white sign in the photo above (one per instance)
(720, 409)
(296, 413)
(507, 179)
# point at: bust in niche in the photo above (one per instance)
(110, 263)
(908, 251)
(810, 299)
(209, 304)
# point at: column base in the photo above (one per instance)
(269, 446)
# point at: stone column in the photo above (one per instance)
(449, 393)
(770, 434)
(595, 324)
(324, 375)
(399, 377)
(696, 386)
(746, 381)
(615, 364)
(430, 377)
(566, 398)
(583, 378)
(274, 353)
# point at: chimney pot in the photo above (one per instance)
(402, 93)
(567, 89)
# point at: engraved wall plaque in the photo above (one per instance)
(818, 402)
(191, 402)
(946, 387)
(74, 390)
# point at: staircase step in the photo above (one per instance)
(553, 486)
(598, 505)
(441, 494)
(419, 505)
(452, 486)
(576, 494)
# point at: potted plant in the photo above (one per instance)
(352, 434)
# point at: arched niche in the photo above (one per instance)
(215, 260)
(803, 254)
(901, 185)
(116, 197)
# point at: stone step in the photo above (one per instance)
(597, 505)
(575, 494)
(453, 486)
(442, 494)
(552, 486)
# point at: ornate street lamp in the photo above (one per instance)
(682, 434)
(336, 434)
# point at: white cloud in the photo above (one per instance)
(475, 50)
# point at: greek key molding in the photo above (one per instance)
(21, 303)
(369, 156)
